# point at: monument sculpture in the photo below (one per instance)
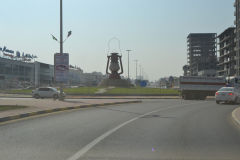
(114, 65)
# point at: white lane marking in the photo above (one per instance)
(89, 146)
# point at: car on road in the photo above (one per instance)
(228, 95)
(46, 92)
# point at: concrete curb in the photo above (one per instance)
(20, 116)
(235, 118)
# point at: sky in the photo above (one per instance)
(155, 30)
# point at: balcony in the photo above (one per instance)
(224, 39)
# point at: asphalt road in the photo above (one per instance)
(152, 130)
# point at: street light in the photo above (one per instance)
(61, 30)
(136, 67)
(128, 61)
(61, 42)
(140, 74)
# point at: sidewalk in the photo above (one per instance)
(236, 116)
(42, 106)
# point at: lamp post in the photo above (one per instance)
(140, 74)
(61, 43)
(136, 68)
(128, 61)
(61, 27)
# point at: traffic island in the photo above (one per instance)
(236, 116)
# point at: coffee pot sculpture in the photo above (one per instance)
(114, 67)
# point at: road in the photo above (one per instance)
(152, 130)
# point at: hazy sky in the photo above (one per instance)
(155, 30)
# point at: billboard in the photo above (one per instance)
(61, 67)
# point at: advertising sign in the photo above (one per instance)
(143, 83)
(61, 67)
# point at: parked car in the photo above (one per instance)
(46, 92)
(227, 95)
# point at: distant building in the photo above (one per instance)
(186, 70)
(19, 74)
(169, 82)
(91, 79)
(202, 57)
(15, 73)
(227, 53)
(44, 74)
(74, 76)
(237, 23)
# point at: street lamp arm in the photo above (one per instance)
(69, 34)
(54, 38)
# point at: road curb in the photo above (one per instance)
(235, 118)
(25, 115)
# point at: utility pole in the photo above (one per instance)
(136, 67)
(61, 45)
(140, 66)
(61, 27)
(61, 41)
(128, 61)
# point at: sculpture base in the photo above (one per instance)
(123, 83)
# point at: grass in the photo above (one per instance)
(81, 90)
(114, 91)
(20, 91)
(142, 91)
(10, 107)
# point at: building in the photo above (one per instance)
(237, 31)
(19, 74)
(202, 57)
(227, 53)
(75, 75)
(169, 82)
(15, 73)
(186, 70)
(44, 74)
(91, 79)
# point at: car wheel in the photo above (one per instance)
(55, 96)
(36, 96)
(217, 102)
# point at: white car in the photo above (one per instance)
(46, 92)
(227, 95)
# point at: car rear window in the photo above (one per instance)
(226, 89)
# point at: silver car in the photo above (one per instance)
(227, 95)
(46, 92)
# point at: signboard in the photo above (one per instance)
(61, 67)
(7, 53)
(143, 83)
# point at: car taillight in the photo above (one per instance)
(217, 93)
(230, 94)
